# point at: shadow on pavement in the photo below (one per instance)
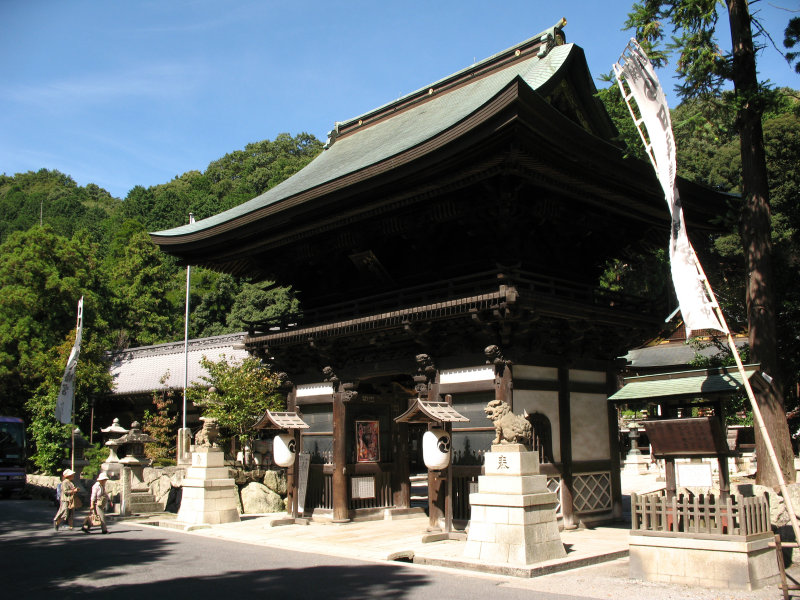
(38, 562)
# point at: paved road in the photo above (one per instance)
(140, 562)
(144, 562)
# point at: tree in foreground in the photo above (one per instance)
(237, 394)
(703, 70)
(160, 423)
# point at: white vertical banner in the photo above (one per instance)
(66, 393)
(697, 307)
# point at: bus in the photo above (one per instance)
(12, 455)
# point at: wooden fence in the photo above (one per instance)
(699, 514)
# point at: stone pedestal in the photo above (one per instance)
(208, 495)
(513, 513)
(734, 562)
(184, 446)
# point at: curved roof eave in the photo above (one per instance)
(379, 141)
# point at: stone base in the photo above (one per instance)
(636, 463)
(738, 563)
(208, 495)
(143, 501)
(513, 513)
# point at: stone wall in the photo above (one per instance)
(265, 490)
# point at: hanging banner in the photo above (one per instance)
(697, 308)
(66, 393)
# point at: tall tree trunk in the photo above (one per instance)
(756, 236)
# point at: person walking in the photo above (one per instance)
(66, 507)
(99, 502)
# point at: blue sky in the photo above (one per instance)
(136, 93)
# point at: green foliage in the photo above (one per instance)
(96, 246)
(238, 394)
(42, 275)
(790, 40)
(142, 280)
(629, 137)
(219, 292)
(736, 409)
(50, 439)
(54, 199)
(96, 454)
(227, 182)
(160, 424)
(701, 66)
(262, 302)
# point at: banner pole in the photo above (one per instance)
(762, 427)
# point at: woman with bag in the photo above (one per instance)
(99, 502)
(66, 508)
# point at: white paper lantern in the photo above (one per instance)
(283, 449)
(436, 445)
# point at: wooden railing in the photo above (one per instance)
(319, 493)
(699, 514)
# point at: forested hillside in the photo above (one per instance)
(60, 241)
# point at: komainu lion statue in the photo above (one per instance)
(208, 435)
(509, 428)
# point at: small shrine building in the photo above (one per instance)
(450, 244)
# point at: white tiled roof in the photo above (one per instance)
(139, 370)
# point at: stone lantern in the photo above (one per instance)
(133, 445)
(113, 432)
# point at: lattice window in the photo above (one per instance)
(592, 492)
(554, 485)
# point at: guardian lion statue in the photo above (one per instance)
(509, 428)
(208, 435)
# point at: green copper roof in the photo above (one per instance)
(683, 384)
(381, 140)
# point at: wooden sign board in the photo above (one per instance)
(362, 488)
(303, 461)
(685, 438)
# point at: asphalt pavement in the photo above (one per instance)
(375, 559)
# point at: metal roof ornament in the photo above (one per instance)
(552, 37)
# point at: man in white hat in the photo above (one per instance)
(99, 502)
(67, 503)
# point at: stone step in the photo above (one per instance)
(145, 507)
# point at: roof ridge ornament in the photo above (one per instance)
(552, 37)
(332, 135)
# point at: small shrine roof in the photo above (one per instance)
(423, 411)
(683, 384)
(280, 420)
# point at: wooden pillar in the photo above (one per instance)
(724, 477)
(503, 384)
(292, 472)
(669, 477)
(341, 504)
(438, 490)
(613, 444)
(565, 435)
(401, 485)
(448, 500)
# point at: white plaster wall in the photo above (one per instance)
(589, 426)
(545, 402)
(531, 372)
(581, 376)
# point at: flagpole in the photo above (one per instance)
(762, 427)
(646, 91)
(186, 335)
